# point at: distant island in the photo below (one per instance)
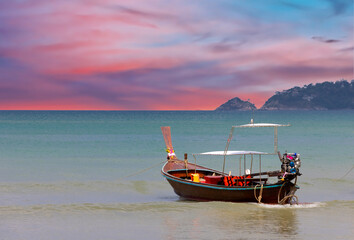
(320, 96)
(236, 104)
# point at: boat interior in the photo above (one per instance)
(204, 176)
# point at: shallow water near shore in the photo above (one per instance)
(64, 175)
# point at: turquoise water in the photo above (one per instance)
(63, 174)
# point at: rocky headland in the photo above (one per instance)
(320, 96)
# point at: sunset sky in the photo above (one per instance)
(167, 54)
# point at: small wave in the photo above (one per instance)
(98, 207)
(142, 187)
(341, 203)
(295, 206)
(306, 184)
(335, 180)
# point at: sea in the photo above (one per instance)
(97, 175)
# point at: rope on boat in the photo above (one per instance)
(259, 198)
(143, 170)
(289, 196)
(346, 173)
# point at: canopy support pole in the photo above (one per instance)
(239, 168)
(260, 168)
(251, 163)
(244, 169)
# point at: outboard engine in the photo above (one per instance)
(290, 165)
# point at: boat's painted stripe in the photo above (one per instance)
(220, 188)
(191, 170)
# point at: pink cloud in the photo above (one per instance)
(104, 55)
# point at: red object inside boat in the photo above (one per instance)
(213, 179)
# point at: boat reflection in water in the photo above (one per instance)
(228, 220)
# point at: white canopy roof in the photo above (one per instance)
(262, 125)
(222, 153)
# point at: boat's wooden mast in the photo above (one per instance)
(275, 140)
(227, 147)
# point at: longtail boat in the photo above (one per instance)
(196, 182)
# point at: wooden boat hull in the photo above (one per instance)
(212, 192)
